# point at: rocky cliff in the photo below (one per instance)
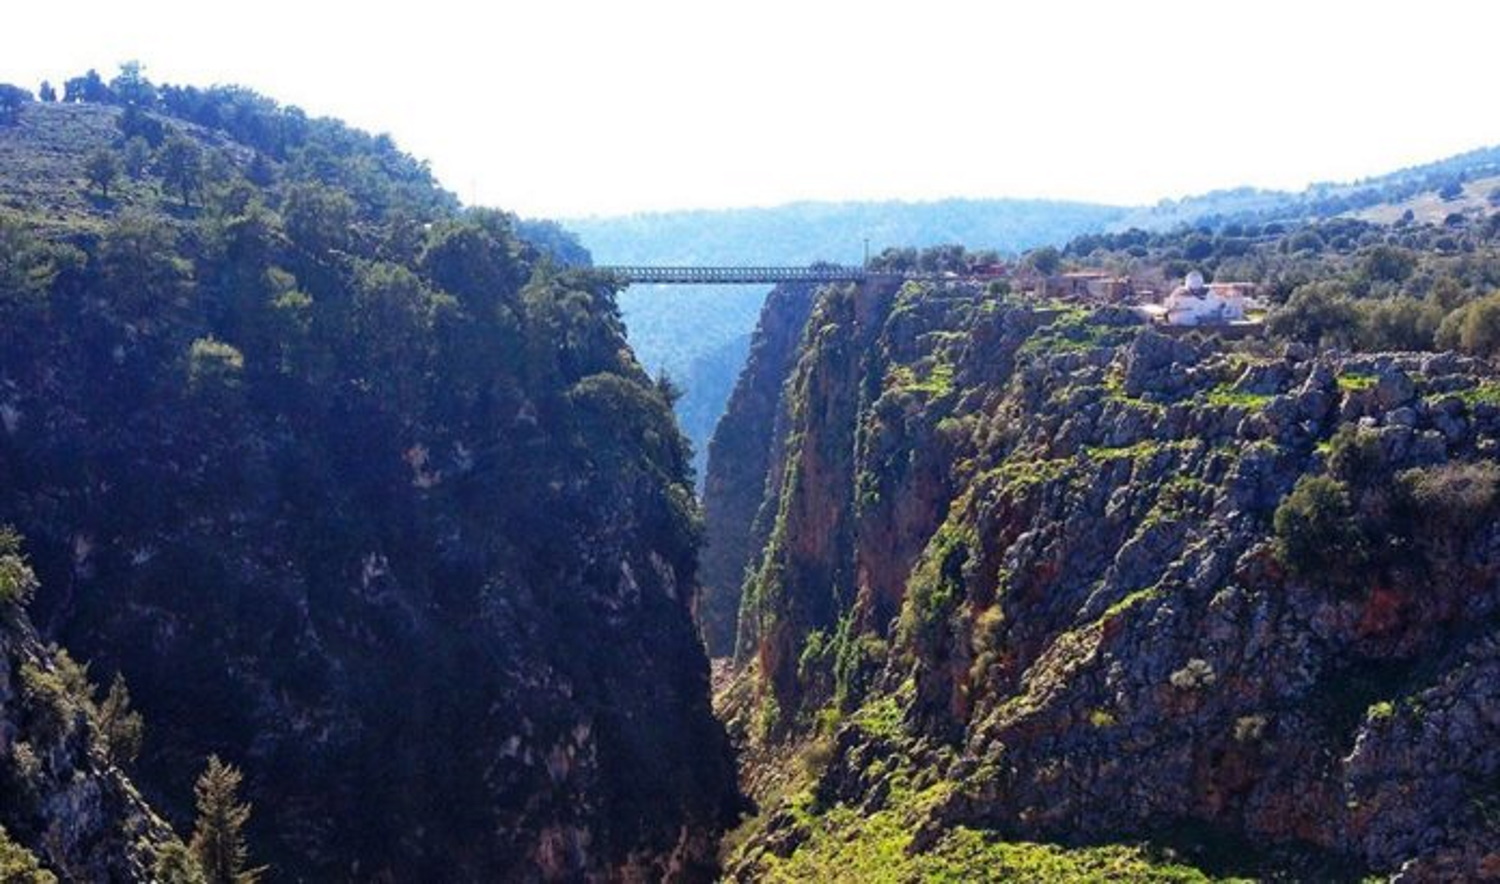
(746, 449)
(66, 809)
(1040, 574)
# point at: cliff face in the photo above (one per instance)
(747, 448)
(65, 809)
(364, 496)
(1079, 582)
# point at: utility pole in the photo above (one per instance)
(867, 253)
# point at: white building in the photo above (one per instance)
(1194, 303)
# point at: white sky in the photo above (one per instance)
(570, 107)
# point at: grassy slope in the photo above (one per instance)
(44, 180)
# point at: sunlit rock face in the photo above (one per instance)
(1029, 556)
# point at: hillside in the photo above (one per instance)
(1465, 179)
(356, 490)
(1034, 590)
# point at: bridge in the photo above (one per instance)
(737, 275)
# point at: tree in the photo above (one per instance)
(17, 582)
(175, 865)
(103, 167)
(89, 87)
(19, 865)
(1317, 531)
(132, 87)
(219, 835)
(1452, 190)
(1045, 260)
(318, 218)
(137, 156)
(121, 726)
(46, 93)
(1319, 313)
(1480, 332)
(180, 164)
(11, 100)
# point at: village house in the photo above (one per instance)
(1196, 303)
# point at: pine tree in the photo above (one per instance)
(219, 836)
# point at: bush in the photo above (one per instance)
(58, 699)
(1453, 496)
(214, 366)
(1479, 327)
(12, 98)
(1319, 313)
(1317, 533)
(17, 582)
(19, 865)
(1398, 324)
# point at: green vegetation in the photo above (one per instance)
(19, 865)
(290, 420)
(850, 844)
(1487, 393)
(1225, 395)
(1075, 330)
(1356, 382)
(936, 383)
(937, 583)
(59, 696)
(17, 582)
(121, 728)
(1317, 534)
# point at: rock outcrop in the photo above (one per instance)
(62, 800)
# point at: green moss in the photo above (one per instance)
(1144, 449)
(880, 718)
(1487, 393)
(1102, 718)
(1224, 395)
(1354, 381)
(936, 383)
(1139, 597)
(1073, 330)
(1381, 711)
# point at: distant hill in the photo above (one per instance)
(1459, 179)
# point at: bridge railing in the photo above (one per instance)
(734, 275)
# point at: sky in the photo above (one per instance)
(565, 108)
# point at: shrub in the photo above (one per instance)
(17, 582)
(1355, 455)
(213, 366)
(1479, 329)
(1196, 674)
(1316, 532)
(1320, 313)
(1398, 324)
(19, 865)
(57, 698)
(1452, 496)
